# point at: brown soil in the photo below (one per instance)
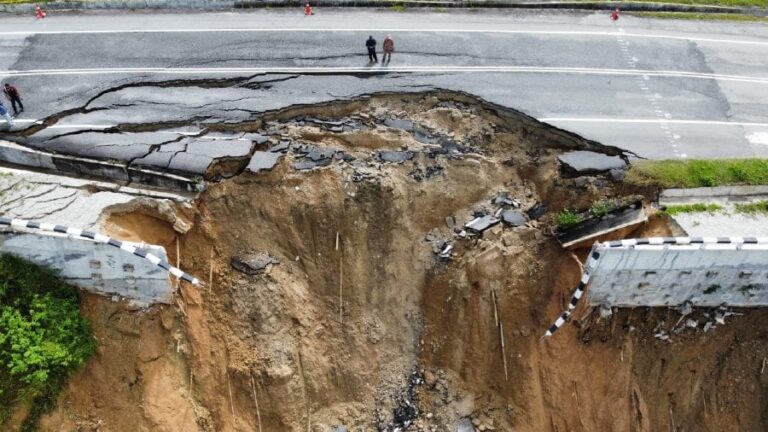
(349, 337)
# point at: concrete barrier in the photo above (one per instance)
(705, 274)
(95, 267)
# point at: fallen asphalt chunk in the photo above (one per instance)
(263, 161)
(252, 264)
(405, 125)
(395, 156)
(537, 211)
(513, 218)
(480, 224)
(309, 164)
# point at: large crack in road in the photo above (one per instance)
(206, 135)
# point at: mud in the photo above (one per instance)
(370, 322)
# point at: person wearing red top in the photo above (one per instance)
(13, 95)
(389, 48)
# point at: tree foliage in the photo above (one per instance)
(43, 337)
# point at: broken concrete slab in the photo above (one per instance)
(94, 266)
(395, 156)
(480, 224)
(263, 161)
(703, 275)
(252, 264)
(96, 169)
(513, 218)
(612, 225)
(586, 162)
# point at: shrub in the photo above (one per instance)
(43, 337)
(567, 219)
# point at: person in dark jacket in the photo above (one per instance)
(13, 95)
(371, 45)
(389, 48)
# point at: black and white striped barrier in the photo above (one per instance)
(684, 241)
(100, 238)
(591, 264)
(660, 242)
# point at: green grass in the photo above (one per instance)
(397, 7)
(602, 207)
(43, 338)
(701, 16)
(567, 218)
(725, 3)
(753, 207)
(732, 3)
(692, 208)
(699, 173)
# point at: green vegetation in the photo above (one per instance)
(692, 208)
(397, 7)
(567, 219)
(702, 16)
(43, 338)
(731, 3)
(711, 289)
(726, 3)
(753, 207)
(699, 173)
(602, 207)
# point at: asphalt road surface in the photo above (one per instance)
(661, 89)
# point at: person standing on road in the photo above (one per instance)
(389, 48)
(4, 112)
(13, 95)
(371, 45)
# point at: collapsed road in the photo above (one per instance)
(388, 263)
(381, 247)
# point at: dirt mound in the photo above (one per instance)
(384, 311)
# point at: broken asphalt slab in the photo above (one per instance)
(587, 162)
(252, 264)
(591, 230)
(263, 161)
(480, 224)
(395, 156)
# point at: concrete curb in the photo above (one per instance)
(446, 4)
(16, 155)
(720, 194)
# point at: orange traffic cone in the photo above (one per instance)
(308, 10)
(615, 14)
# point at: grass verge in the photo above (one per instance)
(692, 208)
(753, 207)
(701, 16)
(698, 173)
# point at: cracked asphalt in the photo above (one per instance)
(141, 88)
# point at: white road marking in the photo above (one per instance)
(646, 74)
(758, 138)
(650, 120)
(388, 30)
